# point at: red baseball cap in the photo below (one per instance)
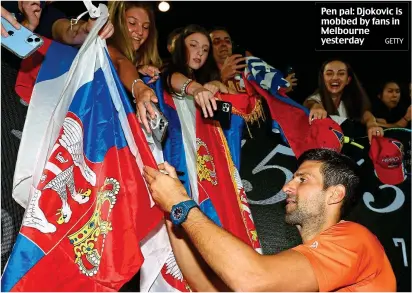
(387, 157)
(324, 133)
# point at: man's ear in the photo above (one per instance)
(336, 194)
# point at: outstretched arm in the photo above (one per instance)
(194, 269)
(316, 110)
(403, 122)
(243, 269)
(203, 97)
(63, 31)
(130, 78)
(236, 263)
(372, 127)
(196, 272)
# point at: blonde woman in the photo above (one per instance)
(133, 50)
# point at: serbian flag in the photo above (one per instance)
(246, 108)
(288, 117)
(198, 147)
(88, 207)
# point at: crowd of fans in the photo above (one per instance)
(133, 46)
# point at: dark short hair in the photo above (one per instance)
(383, 85)
(173, 34)
(336, 169)
(218, 28)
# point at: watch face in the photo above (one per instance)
(177, 213)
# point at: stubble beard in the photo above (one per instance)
(306, 217)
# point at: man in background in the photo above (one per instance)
(171, 38)
(231, 64)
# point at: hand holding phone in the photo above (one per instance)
(289, 70)
(233, 66)
(21, 42)
(223, 114)
(159, 124)
(9, 17)
(291, 78)
(239, 50)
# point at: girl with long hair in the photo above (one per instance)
(133, 50)
(191, 80)
(340, 93)
(193, 69)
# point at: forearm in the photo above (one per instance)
(70, 35)
(402, 123)
(178, 80)
(368, 118)
(222, 87)
(233, 261)
(194, 269)
(224, 78)
(128, 74)
(125, 69)
(310, 103)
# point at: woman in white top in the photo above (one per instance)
(340, 93)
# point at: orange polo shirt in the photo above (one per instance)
(348, 257)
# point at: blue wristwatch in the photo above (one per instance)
(180, 211)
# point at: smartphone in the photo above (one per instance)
(159, 124)
(21, 42)
(223, 114)
(237, 49)
(289, 70)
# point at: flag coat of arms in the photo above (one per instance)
(198, 147)
(79, 176)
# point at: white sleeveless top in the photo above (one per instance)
(341, 108)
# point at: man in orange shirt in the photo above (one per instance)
(335, 255)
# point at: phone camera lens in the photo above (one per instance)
(37, 40)
(11, 33)
(30, 40)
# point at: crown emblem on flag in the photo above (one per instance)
(205, 166)
(89, 239)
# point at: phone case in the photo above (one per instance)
(21, 42)
(289, 70)
(223, 114)
(159, 124)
